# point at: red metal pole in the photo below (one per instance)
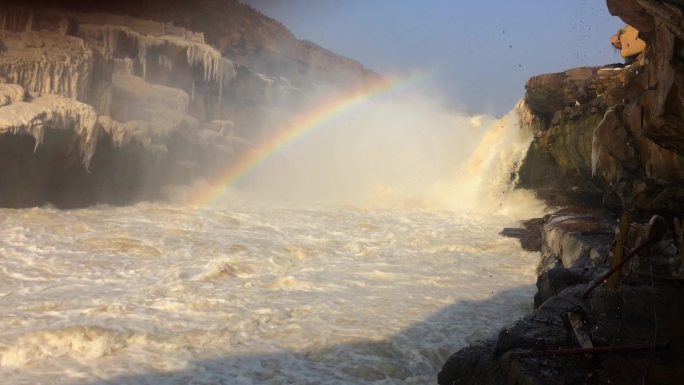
(595, 350)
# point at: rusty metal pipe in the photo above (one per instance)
(594, 350)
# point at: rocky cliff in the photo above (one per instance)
(614, 135)
(609, 140)
(112, 101)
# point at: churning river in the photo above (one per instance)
(248, 294)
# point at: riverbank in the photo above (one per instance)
(575, 246)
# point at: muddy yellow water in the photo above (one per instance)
(246, 294)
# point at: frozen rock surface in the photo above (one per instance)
(111, 102)
(47, 63)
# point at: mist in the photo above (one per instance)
(405, 150)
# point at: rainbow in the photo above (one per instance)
(297, 128)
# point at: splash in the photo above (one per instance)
(299, 127)
(487, 180)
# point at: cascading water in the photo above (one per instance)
(366, 290)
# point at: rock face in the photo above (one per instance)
(112, 101)
(611, 136)
(566, 107)
(614, 135)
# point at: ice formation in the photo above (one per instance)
(148, 134)
(165, 62)
(139, 79)
(123, 66)
(11, 93)
(215, 67)
(47, 63)
(53, 112)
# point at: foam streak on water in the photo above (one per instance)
(157, 294)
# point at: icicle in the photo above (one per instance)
(596, 144)
(165, 62)
(220, 83)
(595, 154)
(29, 23)
(109, 40)
(56, 112)
(215, 67)
(64, 113)
(142, 54)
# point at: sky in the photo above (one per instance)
(480, 53)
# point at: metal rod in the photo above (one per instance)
(619, 250)
(617, 267)
(595, 350)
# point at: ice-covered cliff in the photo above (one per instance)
(97, 105)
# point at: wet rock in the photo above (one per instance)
(553, 281)
(577, 241)
(529, 240)
(472, 365)
(529, 236)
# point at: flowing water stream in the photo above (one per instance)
(247, 294)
